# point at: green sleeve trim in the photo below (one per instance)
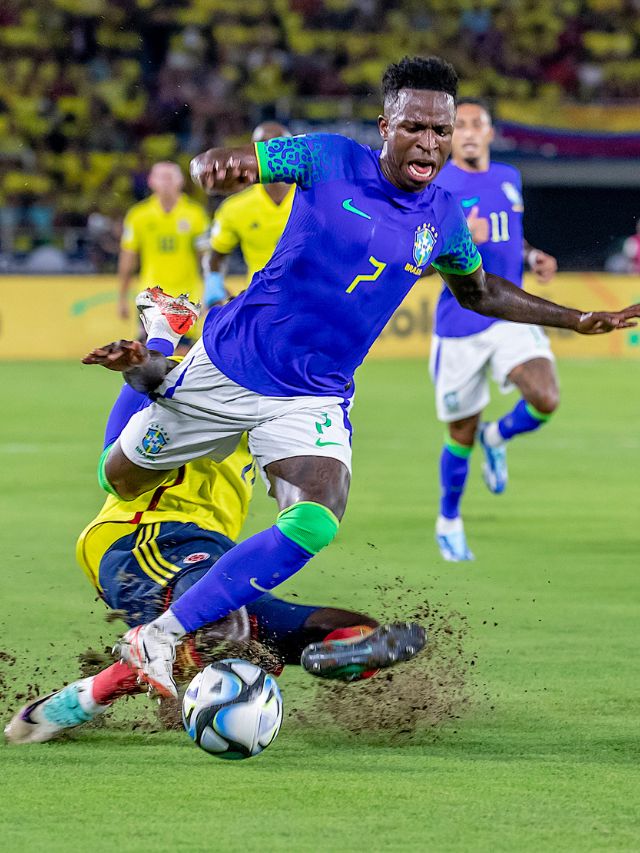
(457, 449)
(444, 268)
(102, 477)
(310, 525)
(539, 416)
(264, 175)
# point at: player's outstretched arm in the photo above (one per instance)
(496, 297)
(225, 170)
(143, 369)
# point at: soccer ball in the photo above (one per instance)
(232, 709)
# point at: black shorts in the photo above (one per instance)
(142, 573)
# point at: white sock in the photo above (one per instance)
(159, 328)
(447, 526)
(492, 435)
(85, 697)
(169, 624)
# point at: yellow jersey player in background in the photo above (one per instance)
(252, 220)
(165, 236)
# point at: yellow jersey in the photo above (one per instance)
(215, 496)
(252, 220)
(167, 244)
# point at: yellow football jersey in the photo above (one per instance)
(252, 220)
(215, 496)
(166, 244)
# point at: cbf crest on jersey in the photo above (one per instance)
(513, 194)
(153, 441)
(423, 243)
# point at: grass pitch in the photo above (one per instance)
(545, 754)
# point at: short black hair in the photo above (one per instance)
(479, 102)
(429, 72)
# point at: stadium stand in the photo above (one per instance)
(95, 91)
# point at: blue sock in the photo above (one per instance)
(522, 418)
(129, 401)
(454, 468)
(161, 345)
(243, 574)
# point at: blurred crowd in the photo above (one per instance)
(96, 90)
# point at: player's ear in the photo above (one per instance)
(383, 127)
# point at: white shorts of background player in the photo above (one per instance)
(460, 367)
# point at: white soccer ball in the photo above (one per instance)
(232, 709)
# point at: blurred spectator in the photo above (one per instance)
(93, 93)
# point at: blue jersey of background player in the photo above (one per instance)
(467, 345)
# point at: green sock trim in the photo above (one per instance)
(310, 525)
(102, 477)
(539, 416)
(459, 450)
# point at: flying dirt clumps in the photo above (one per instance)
(423, 693)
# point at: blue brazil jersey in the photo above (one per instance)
(497, 193)
(353, 247)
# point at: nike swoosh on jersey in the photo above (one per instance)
(347, 204)
(469, 202)
(254, 583)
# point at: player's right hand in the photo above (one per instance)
(225, 170)
(119, 355)
(601, 322)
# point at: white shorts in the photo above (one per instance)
(200, 412)
(460, 367)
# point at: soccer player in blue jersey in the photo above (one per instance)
(278, 361)
(467, 346)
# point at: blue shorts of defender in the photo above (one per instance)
(144, 572)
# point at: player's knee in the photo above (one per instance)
(464, 431)
(546, 400)
(310, 525)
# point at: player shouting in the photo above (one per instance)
(466, 345)
(143, 554)
(278, 361)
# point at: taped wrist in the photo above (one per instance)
(214, 290)
(310, 525)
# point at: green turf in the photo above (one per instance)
(546, 757)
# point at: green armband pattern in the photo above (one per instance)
(289, 159)
(460, 255)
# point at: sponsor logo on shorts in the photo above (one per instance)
(451, 402)
(198, 557)
(320, 427)
(153, 441)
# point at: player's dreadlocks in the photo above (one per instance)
(418, 72)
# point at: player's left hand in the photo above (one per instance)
(118, 355)
(542, 265)
(601, 322)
